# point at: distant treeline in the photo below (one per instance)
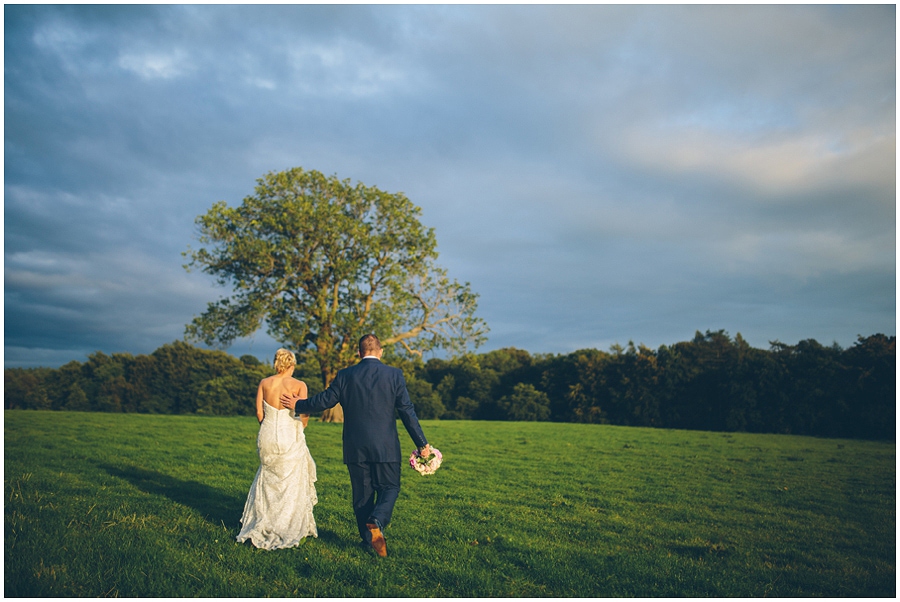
(712, 382)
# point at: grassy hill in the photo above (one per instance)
(146, 505)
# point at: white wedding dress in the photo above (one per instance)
(279, 508)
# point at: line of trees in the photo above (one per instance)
(712, 382)
(177, 378)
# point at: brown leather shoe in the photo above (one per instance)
(377, 541)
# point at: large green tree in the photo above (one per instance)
(321, 262)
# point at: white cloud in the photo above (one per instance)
(770, 163)
(343, 68)
(263, 83)
(153, 65)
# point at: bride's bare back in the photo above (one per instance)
(271, 388)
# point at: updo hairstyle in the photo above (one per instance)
(284, 359)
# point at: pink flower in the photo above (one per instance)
(426, 465)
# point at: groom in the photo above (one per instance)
(369, 392)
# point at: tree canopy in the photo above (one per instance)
(322, 261)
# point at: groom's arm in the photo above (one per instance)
(407, 414)
(324, 400)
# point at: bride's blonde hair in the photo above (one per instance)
(284, 359)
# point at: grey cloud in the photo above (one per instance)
(599, 173)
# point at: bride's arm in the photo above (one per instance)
(260, 413)
(302, 392)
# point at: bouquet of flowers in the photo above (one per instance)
(426, 465)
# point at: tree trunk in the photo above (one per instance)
(335, 414)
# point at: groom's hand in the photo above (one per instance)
(424, 452)
(289, 401)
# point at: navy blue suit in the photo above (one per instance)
(369, 392)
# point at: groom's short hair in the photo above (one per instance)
(368, 345)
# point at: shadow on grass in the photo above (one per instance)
(216, 507)
(334, 540)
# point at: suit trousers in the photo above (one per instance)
(376, 486)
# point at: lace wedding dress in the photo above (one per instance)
(279, 508)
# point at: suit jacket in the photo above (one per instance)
(369, 392)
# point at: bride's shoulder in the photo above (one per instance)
(294, 384)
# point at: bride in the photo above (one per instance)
(279, 508)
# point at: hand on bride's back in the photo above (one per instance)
(288, 400)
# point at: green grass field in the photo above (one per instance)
(137, 505)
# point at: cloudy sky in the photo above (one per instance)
(599, 174)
